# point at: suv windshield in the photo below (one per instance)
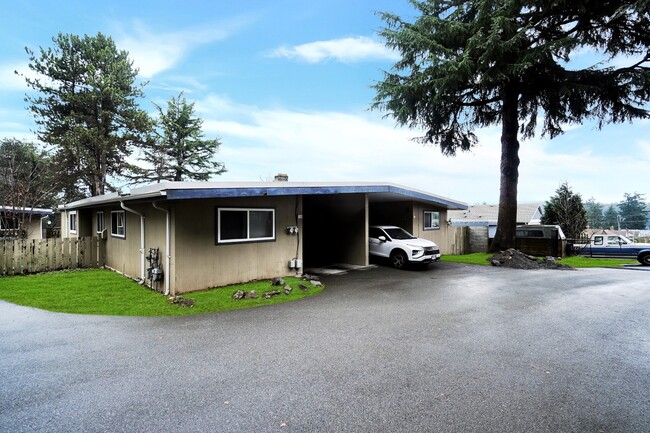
(398, 233)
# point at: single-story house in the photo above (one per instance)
(211, 234)
(26, 223)
(487, 214)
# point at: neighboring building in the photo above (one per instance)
(212, 234)
(487, 215)
(26, 223)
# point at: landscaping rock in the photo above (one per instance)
(287, 289)
(303, 287)
(181, 302)
(239, 294)
(251, 295)
(315, 283)
(311, 277)
(277, 281)
(512, 258)
(269, 295)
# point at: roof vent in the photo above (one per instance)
(281, 177)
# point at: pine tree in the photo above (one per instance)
(86, 107)
(611, 218)
(566, 209)
(178, 150)
(633, 212)
(595, 217)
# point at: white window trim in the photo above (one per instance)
(76, 222)
(100, 229)
(248, 220)
(424, 220)
(117, 235)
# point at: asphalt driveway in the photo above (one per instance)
(450, 349)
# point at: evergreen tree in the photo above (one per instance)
(611, 218)
(595, 217)
(86, 107)
(178, 151)
(566, 209)
(471, 64)
(633, 212)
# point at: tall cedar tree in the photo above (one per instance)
(633, 212)
(178, 150)
(86, 107)
(471, 64)
(27, 181)
(566, 209)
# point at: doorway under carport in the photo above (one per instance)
(335, 230)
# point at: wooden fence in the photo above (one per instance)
(28, 256)
(457, 240)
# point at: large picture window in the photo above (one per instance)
(118, 224)
(431, 220)
(245, 225)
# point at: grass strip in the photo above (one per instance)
(574, 261)
(103, 292)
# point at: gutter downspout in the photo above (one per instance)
(142, 268)
(167, 245)
(41, 225)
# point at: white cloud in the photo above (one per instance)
(347, 50)
(9, 80)
(333, 146)
(153, 52)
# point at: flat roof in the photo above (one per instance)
(206, 190)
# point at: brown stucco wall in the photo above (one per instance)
(438, 236)
(200, 263)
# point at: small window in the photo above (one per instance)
(530, 233)
(73, 222)
(100, 222)
(598, 240)
(613, 240)
(431, 220)
(118, 224)
(245, 225)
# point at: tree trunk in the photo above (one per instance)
(507, 220)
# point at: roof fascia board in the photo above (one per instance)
(204, 193)
(170, 193)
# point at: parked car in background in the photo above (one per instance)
(615, 246)
(400, 246)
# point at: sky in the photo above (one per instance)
(287, 87)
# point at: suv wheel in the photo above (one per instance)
(398, 259)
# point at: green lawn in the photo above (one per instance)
(102, 292)
(574, 261)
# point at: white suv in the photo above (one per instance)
(400, 246)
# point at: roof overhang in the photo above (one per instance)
(26, 210)
(377, 192)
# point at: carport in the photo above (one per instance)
(336, 219)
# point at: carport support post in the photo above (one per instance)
(366, 229)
